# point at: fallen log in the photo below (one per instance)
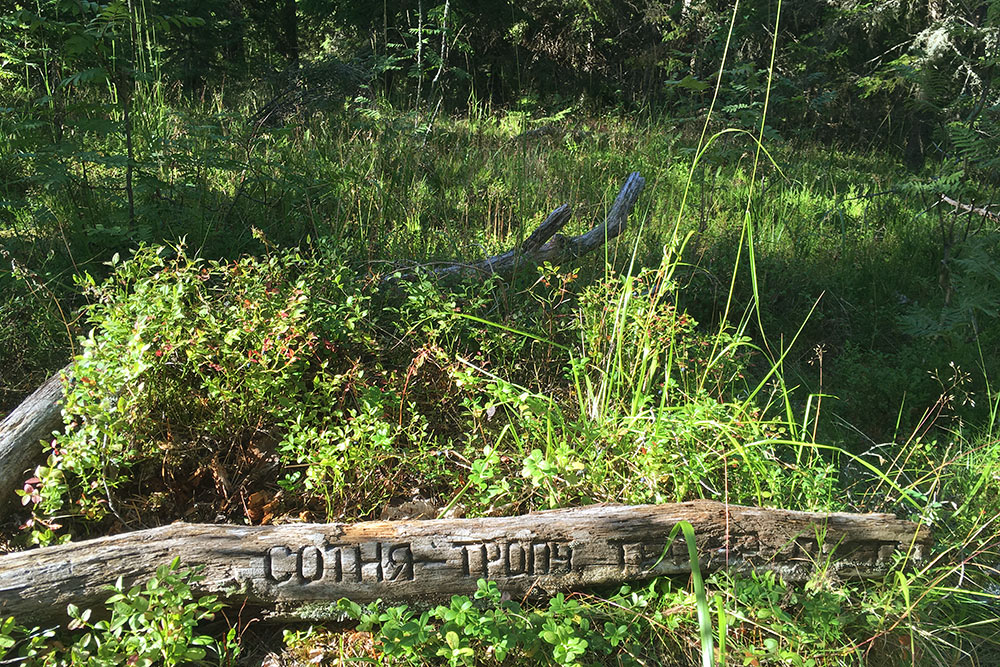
(545, 244)
(23, 429)
(298, 571)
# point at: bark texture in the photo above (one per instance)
(300, 570)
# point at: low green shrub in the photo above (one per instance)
(155, 623)
(488, 629)
(192, 362)
(189, 359)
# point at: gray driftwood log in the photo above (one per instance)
(545, 244)
(22, 431)
(299, 570)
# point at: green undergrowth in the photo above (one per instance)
(210, 370)
(810, 331)
(154, 622)
(897, 287)
(757, 620)
(788, 325)
(843, 370)
(301, 377)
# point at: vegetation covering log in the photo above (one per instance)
(20, 432)
(39, 414)
(545, 244)
(300, 569)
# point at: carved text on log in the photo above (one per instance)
(503, 559)
(292, 565)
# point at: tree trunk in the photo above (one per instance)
(302, 570)
(21, 431)
(289, 39)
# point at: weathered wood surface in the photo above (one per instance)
(545, 244)
(21, 431)
(300, 568)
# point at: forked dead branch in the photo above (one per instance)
(546, 244)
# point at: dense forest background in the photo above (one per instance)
(203, 205)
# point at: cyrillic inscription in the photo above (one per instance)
(338, 563)
(637, 557)
(504, 559)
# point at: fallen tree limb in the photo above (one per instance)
(968, 208)
(299, 570)
(545, 244)
(21, 431)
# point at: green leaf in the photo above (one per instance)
(689, 83)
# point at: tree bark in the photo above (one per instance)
(546, 245)
(289, 36)
(300, 571)
(21, 431)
